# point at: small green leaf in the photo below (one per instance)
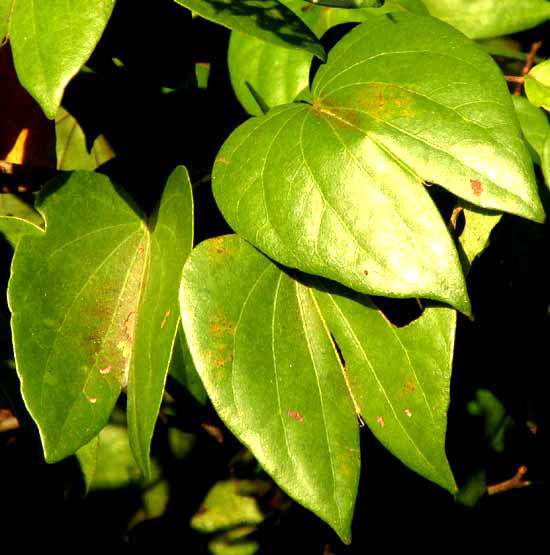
(263, 344)
(70, 145)
(227, 506)
(545, 160)
(269, 20)
(480, 19)
(537, 84)
(336, 188)
(83, 299)
(534, 126)
(478, 224)
(17, 218)
(51, 41)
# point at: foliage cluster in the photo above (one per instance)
(247, 242)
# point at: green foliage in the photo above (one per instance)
(384, 165)
(45, 63)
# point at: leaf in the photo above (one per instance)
(51, 41)
(278, 74)
(534, 126)
(227, 506)
(262, 342)
(336, 188)
(72, 152)
(82, 298)
(183, 370)
(171, 229)
(480, 19)
(537, 84)
(545, 160)
(265, 19)
(17, 218)
(474, 239)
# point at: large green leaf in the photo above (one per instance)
(278, 74)
(88, 307)
(50, 42)
(337, 188)
(480, 19)
(263, 344)
(265, 19)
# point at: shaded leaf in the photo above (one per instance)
(336, 188)
(474, 239)
(51, 41)
(534, 126)
(278, 74)
(537, 84)
(77, 291)
(545, 160)
(490, 18)
(227, 505)
(183, 370)
(71, 149)
(263, 345)
(265, 19)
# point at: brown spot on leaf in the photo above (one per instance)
(106, 370)
(408, 388)
(296, 415)
(92, 400)
(222, 160)
(380, 421)
(140, 250)
(408, 412)
(477, 187)
(220, 326)
(366, 272)
(166, 316)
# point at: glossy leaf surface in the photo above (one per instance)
(337, 189)
(87, 309)
(490, 18)
(278, 74)
(268, 20)
(51, 41)
(262, 342)
(537, 85)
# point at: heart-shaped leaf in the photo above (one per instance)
(51, 41)
(480, 19)
(263, 344)
(94, 298)
(268, 20)
(337, 189)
